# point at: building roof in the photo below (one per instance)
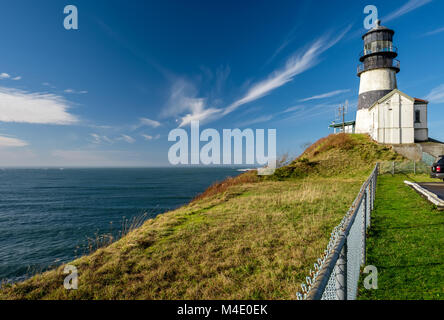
(377, 28)
(421, 100)
(391, 93)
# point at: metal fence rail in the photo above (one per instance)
(336, 273)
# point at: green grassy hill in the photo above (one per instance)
(248, 237)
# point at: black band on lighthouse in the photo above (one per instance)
(367, 99)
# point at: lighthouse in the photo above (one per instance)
(384, 112)
(377, 71)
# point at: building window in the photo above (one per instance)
(417, 116)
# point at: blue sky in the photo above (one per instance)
(108, 93)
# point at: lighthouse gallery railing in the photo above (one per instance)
(378, 50)
(336, 273)
(394, 64)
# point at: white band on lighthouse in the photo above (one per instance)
(378, 79)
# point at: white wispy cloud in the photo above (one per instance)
(406, 8)
(126, 138)
(11, 142)
(145, 122)
(106, 139)
(199, 113)
(72, 91)
(279, 49)
(185, 104)
(47, 84)
(325, 95)
(294, 66)
(290, 37)
(96, 138)
(431, 33)
(256, 120)
(436, 95)
(5, 75)
(148, 137)
(294, 108)
(98, 126)
(26, 107)
(150, 123)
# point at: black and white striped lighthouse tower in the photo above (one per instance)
(377, 71)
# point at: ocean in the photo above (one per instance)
(48, 215)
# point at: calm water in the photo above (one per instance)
(46, 215)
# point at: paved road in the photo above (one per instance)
(435, 187)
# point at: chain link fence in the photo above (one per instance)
(336, 273)
(394, 167)
(428, 158)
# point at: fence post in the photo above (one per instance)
(393, 167)
(414, 167)
(341, 274)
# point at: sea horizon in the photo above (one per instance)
(241, 166)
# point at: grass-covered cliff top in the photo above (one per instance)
(248, 237)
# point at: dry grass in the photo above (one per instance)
(355, 146)
(340, 155)
(244, 238)
(341, 140)
(221, 187)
